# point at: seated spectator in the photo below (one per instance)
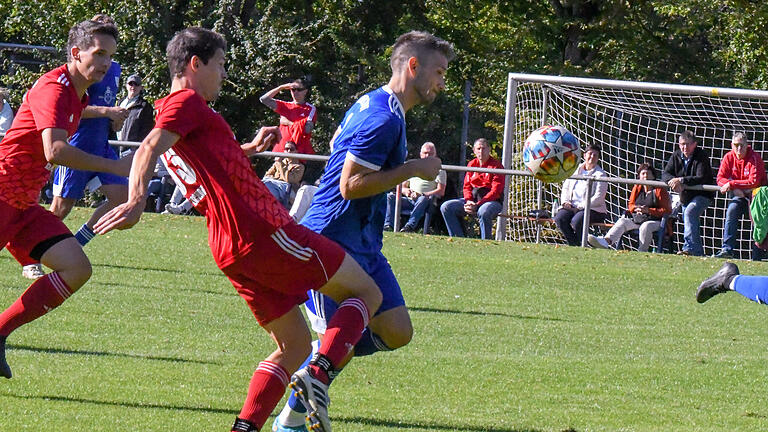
(741, 170)
(417, 194)
(574, 195)
(689, 165)
(6, 113)
(283, 178)
(297, 117)
(482, 194)
(647, 205)
(141, 118)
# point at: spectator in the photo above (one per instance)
(417, 194)
(482, 194)
(573, 198)
(283, 178)
(6, 113)
(297, 118)
(647, 205)
(140, 118)
(690, 166)
(741, 170)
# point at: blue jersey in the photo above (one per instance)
(372, 134)
(92, 133)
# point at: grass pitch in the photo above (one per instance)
(509, 338)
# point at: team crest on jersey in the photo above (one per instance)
(109, 96)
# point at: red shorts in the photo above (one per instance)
(31, 231)
(277, 272)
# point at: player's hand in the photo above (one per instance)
(426, 168)
(117, 114)
(121, 217)
(266, 137)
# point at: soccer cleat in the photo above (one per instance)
(598, 242)
(33, 271)
(5, 370)
(313, 393)
(717, 283)
(723, 254)
(278, 427)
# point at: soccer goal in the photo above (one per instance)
(634, 122)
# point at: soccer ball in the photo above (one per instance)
(551, 153)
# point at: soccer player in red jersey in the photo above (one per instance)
(37, 141)
(297, 117)
(270, 260)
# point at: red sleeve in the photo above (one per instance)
(753, 179)
(51, 106)
(633, 197)
(497, 185)
(468, 183)
(724, 172)
(664, 203)
(179, 111)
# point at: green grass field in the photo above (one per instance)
(509, 337)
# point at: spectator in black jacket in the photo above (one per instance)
(141, 118)
(690, 166)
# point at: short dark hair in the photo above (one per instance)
(594, 147)
(649, 168)
(417, 44)
(688, 136)
(190, 42)
(81, 34)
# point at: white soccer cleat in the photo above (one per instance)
(313, 393)
(33, 271)
(598, 242)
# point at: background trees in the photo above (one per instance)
(344, 46)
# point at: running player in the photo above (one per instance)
(99, 118)
(368, 159)
(269, 258)
(49, 114)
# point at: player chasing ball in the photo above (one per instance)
(37, 140)
(270, 260)
(367, 161)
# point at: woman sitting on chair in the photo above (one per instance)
(647, 205)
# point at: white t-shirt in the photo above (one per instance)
(6, 117)
(420, 185)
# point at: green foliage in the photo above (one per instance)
(509, 337)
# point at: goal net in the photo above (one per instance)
(634, 123)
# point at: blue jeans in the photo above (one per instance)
(738, 207)
(280, 190)
(692, 225)
(418, 209)
(453, 209)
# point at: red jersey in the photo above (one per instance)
(299, 114)
(185, 179)
(52, 102)
(240, 210)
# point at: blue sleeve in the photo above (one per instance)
(374, 141)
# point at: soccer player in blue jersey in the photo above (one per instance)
(367, 160)
(99, 118)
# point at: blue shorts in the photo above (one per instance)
(321, 308)
(71, 183)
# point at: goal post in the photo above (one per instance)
(634, 122)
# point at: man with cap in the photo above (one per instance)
(140, 118)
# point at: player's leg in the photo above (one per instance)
(48, 240)
(268, 383)
(727, 279)
(30, 268)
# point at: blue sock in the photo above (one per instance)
(370, 343)
(84, 235)
(754, 288)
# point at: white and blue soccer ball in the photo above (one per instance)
(551, 153)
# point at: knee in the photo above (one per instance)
(78, 274)
(398, 336)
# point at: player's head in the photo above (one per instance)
(424, 57)
(90, 47)
(687, 142)
(428, 149)
(646, 171)
(104, 19)
(300, 90)
(481, 149)
(739, 144)
(197, 54)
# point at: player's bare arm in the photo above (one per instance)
(268, 98)
(263, 140)
(58, 152)
(128, 214)
(358, 181)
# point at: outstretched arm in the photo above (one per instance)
(358, 181)
(264, 138)
(268, 98)
(57, 151)
(128, 214)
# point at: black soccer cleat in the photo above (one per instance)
(5, 370)
(717, 283)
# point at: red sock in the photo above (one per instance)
(343, 332)
(267, 387)
(41, 297)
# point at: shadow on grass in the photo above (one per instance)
(107, 354)
(395, 424)
(526, 317)
(165, 270)
(194, 289)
